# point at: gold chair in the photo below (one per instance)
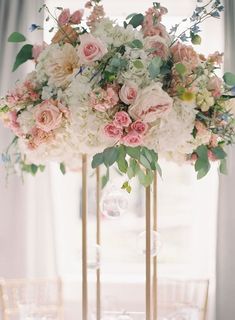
(31, 298)
(177, 298)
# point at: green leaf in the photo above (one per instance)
(16, 37)
(142, 177)
(180, 68)
(34, 169)
(136, 20)
(126, 186)
(62, 168)
(202, 152)
(136, 44)
(159, 169)
(144, 161)
(105, 179)
(229, 79)
(219, 153)
(121, 161)
(4, 109)
(138, 64)
(223, 166)
(97, 160)
(110, 156)
(23, 55)
(131, 15)
(130, 172)
(133, 152)
(154, 67)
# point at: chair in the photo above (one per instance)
(183, 299)
(31, 298)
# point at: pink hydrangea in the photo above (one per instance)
(215, 85)
(39, 136)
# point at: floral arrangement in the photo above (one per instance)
(123, 94)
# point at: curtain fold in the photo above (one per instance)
(26, 211)
(225, 292)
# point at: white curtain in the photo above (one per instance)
(225, 293)
(26, 215)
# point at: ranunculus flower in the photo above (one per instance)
(158, 46)
(39, 136)
(122, 119)
(152, 103)
(214, 85)
(139, 126)
(113, 131)
(76, 17)
(102, 100)
(128, 92)
(64, 17)
(132, 139)
(185, 54)
(90, 49)
(47, 116)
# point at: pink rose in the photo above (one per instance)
(158, 46)
(122, 119)
(132, 139)
(152, 103)
(76, 17)
(37, 50)
(47, 116)
(185, 54)
(214, 85)
(112, 131)
(139, 126)
(64, 17)
(91, 49)
(128, 92)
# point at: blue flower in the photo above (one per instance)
(34, 27)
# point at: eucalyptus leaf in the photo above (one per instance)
(16, 37)
(23, 55)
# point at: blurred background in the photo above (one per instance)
(40, 219)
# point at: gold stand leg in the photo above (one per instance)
(84, 239)
(155, 200)
(98, 286)
(148, 254)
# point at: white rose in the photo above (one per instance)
(151, 103)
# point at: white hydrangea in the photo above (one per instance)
(172, 135)
(114, 34)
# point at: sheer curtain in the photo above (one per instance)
(26, 215)
(226, 218)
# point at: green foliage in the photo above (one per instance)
(134, 161)
(16, 37)
(136, 44)
(229, 79)
(180, 68)
(154, 67)
(219, 153)
(223, 167)
(31, 168)
(62, 168)
(202, 165)
(136, 20)
(23, 55)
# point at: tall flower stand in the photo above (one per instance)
(150, 262)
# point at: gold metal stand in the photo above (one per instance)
(151, 278)
(98, 289)
(84, 239)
